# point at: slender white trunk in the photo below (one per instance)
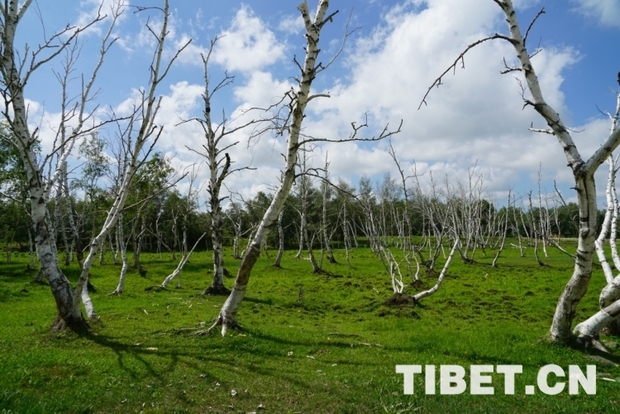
(121, 247)
(278, 260)
(417, 297)
(599, 243)
(228, 314)
(588, 330)
(614, 230)
(182, 262)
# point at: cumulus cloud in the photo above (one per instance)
(606, 12)
(90, 10)
(475, 116)
(248, 44)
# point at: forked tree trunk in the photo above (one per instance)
(26, 144)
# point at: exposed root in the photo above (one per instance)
(212, 290)
(590, 343)
(226, 325)
(417, 284)
(77, 325)
(400, 299)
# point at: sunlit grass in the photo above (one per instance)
(332, 349)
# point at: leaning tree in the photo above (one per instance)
(583, 172)
(17, 66)
(296, 101)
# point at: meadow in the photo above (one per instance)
(310, 343)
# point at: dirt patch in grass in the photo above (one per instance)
(400, 300)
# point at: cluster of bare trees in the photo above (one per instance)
(408, 222)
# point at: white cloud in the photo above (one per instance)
(94, 9)
(248, 44)
(291, 24)
(606, 12)
(477, 114)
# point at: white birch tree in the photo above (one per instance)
(298, 99)
(16, 68)
(214, 151)
(136, 149)
(583, 169)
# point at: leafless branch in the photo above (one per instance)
(527, 32)
(385, 133)
(461, 59)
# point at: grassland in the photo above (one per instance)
(332, 349)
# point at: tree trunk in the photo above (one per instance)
(228, 314)
(184, 259)
(577, 286)
(122, 248)
(277, 262)
(588, 331)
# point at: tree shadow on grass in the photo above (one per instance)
(198, 358)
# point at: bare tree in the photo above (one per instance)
(16, 68)
(609, 299)
(136, 149)
(220, 167)
(583, 169)
(297, 101)
(190, 203)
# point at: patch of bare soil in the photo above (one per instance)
(400, 299)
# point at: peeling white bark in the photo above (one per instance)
(583, 172)
(228, 314)
(182, 262)
(417, 297)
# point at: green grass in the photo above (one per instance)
(334, 352)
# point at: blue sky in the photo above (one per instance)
(475, 118)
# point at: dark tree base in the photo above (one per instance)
(216, 291)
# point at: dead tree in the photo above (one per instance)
(291, 123)
(583, 169)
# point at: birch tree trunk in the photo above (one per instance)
(583, 173)
(327, 235)
(15, 77)
(121, 247)
(278, 260)
(184, 258)
(144, 118)
(228, 314)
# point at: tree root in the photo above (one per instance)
(77, 325)
(590, 343)
(216, 291)
(226, 325)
